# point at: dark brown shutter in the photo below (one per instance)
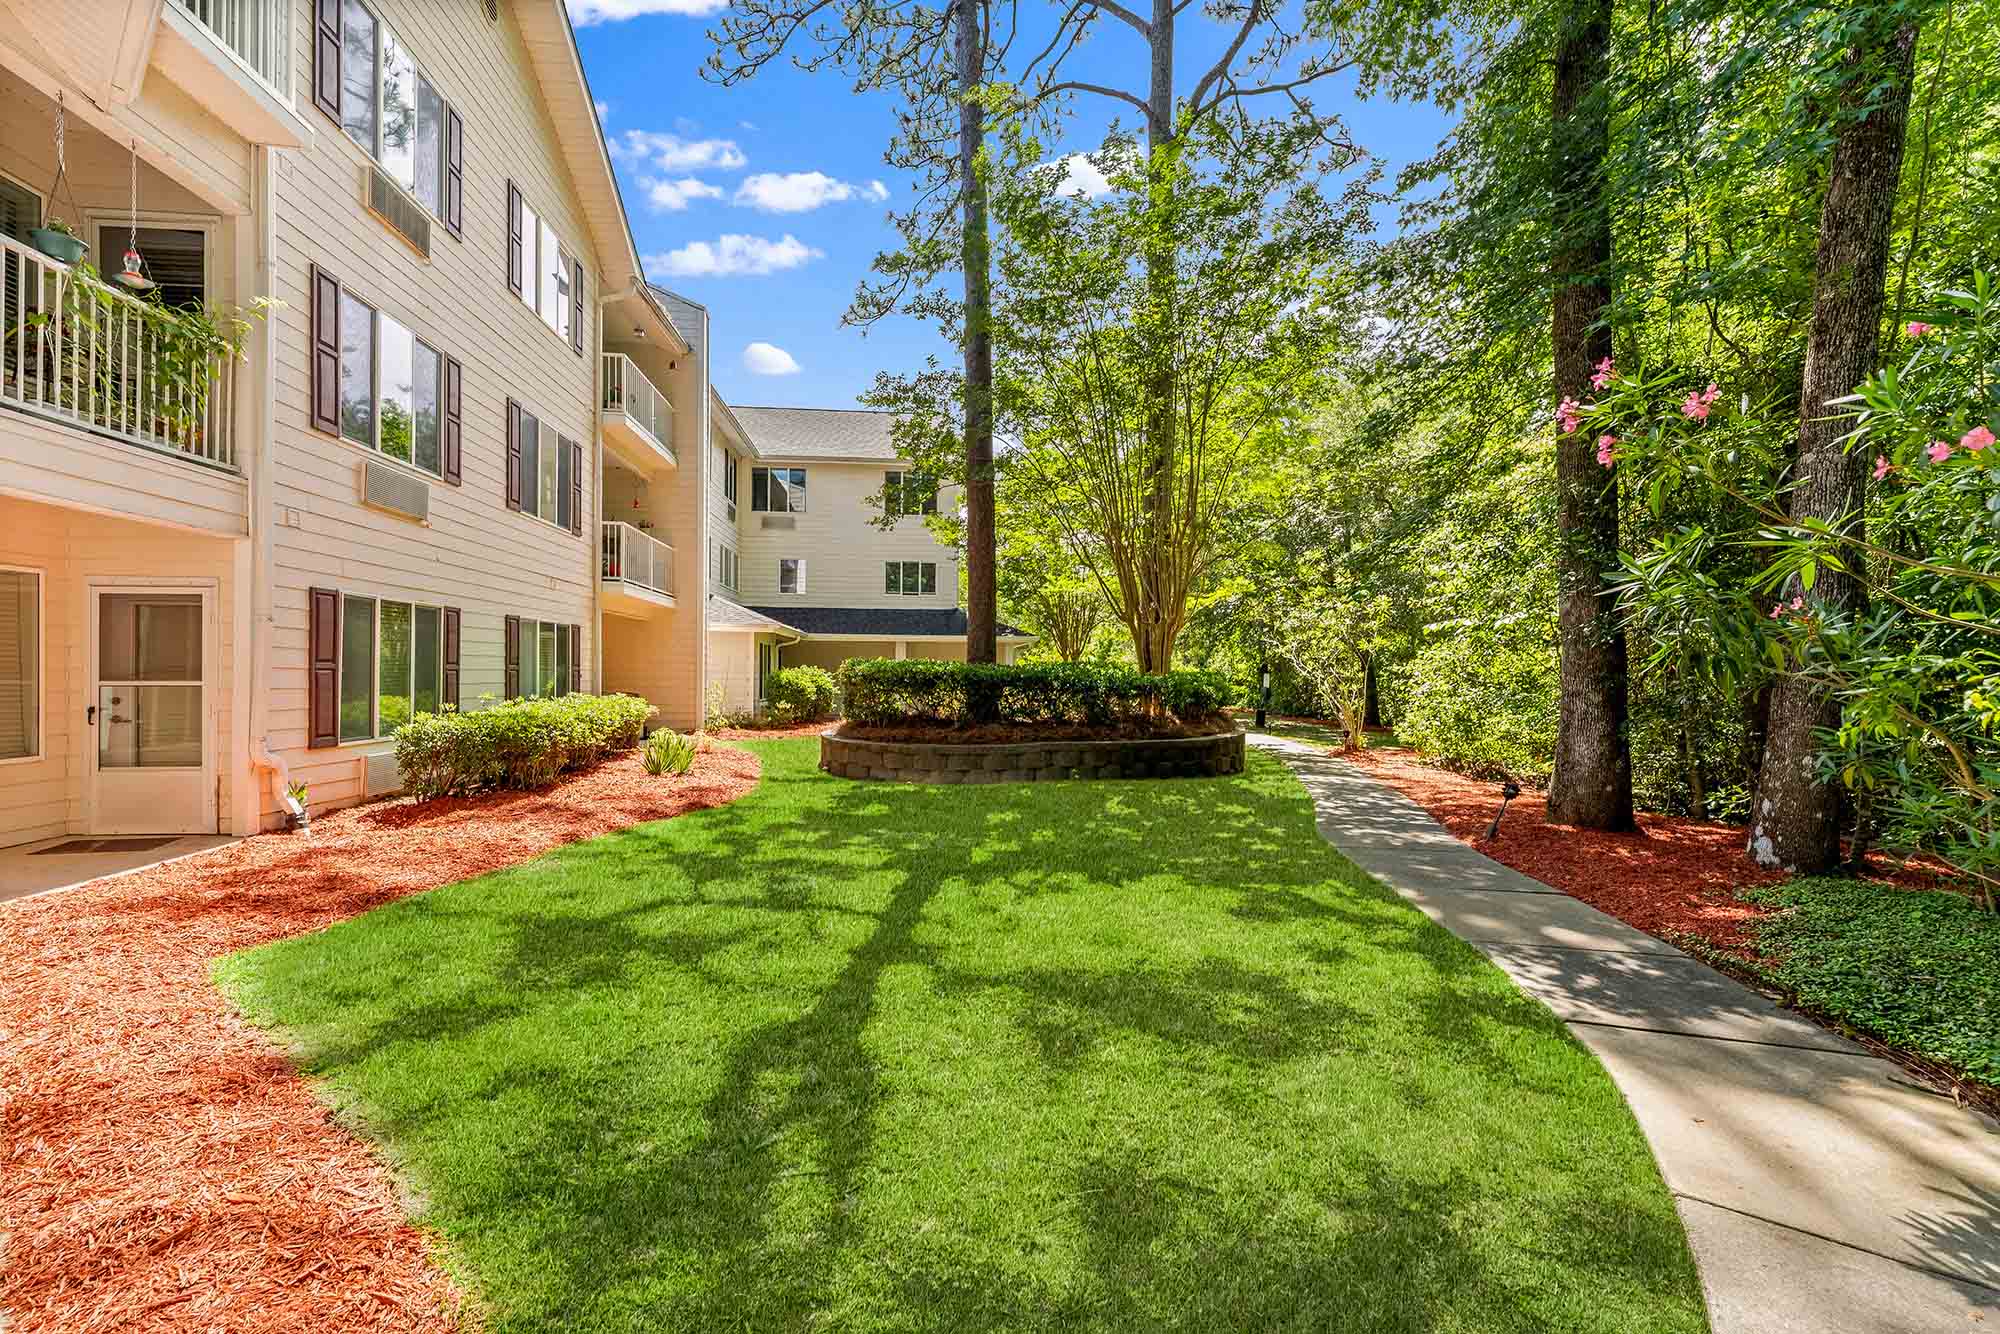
(326, 57)
(451, 656)
(575, 486)
(454, 419)
(513, 657)
(576, 307)
(454, 173)
(323, 673)
(575, 659)
(514, 252)
(513, 455)
(325, 352)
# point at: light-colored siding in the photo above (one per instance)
(475, 554)
(844, 552)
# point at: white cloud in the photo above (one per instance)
(586, 12)
(670, 152)
(1082, 178)
(875, 191)
(671, 196)
(793, 191)
(603, 110)
(768, 359)
(733, 255)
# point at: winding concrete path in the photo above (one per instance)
(1823, 1190)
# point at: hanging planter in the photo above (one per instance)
(58, 242)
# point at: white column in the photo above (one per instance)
(902, 649)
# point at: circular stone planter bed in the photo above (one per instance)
(1031, 761)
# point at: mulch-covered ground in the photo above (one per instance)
(773, 733)
(165, 1168)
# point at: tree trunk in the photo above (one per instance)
(981, 603)
(1371, 707)
(1795, 822)
(1592, 782)
(1154, 646)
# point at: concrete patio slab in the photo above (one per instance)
(1822, 1189)
(1670, 993)
(37, 868)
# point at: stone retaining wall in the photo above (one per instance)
(1031, 761)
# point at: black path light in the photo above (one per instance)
(1508, 791)
(1263, 691)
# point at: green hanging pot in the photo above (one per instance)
(58, 245)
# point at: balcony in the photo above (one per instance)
(637, 572)
(78, 351)
(638, 419)
(235, 58)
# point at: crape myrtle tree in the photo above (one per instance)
(1262, 258)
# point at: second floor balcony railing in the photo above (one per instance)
(78, 350)
(259, 32)
(627, 390)
(635, 557)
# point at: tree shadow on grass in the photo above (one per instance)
(748, 1208)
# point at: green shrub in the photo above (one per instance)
(1917, 970)
(1482, 703)
(800, 694)
(667, 752)
(922, 691)
(519, 743)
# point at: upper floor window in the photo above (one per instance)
(908, 493)
(909, 578)
(729, 476)
(726, 567)
(394, 112)
(545, 470)
(778, 490)
(791, 576)
(380, 385)
(542, 272)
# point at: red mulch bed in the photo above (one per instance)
(770, 733)
(166, 1168)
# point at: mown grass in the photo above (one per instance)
(1918, 970)
(1084, 1056)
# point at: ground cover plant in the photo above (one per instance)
(1101, 1056)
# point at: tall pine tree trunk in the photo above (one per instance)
(1592, 782)
(981, 609)
(1795, 822)
(1153, 642)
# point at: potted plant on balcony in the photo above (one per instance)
(59, 241)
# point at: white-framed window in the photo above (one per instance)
(791, 575)
(778, 490)
(391, 664)
(21, 619)
(767, 662)
(546, 272)
(908, 493)
(909, 578)
(546, 470)
(728, 466)
(391, 387)
(389, 107)
(726, 562)
(545, 659)
(20, 208)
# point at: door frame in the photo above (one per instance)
(211, 680)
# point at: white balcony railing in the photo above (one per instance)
(637, 558)
(627, 390)
(259, 32)
(78, 350)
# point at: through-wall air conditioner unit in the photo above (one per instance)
(393, 491)
(382, 775)
(779, 522)
(398, 209)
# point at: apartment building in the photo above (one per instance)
(803, 572)
(220, 576)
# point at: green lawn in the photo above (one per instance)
(1081, 1056)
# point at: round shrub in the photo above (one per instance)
(800, 694)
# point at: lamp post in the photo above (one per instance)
(1263, 691)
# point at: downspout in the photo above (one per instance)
(263, 413)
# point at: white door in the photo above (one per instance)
(150, 769)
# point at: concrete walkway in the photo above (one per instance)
(1823, 1189)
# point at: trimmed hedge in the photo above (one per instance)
(800, 694)
(519, 743)
(919, 690)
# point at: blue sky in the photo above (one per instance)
(766, 202)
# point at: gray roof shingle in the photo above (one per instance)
(818, 433)
(883, 622)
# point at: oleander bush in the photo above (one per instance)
(800, 694)
(516, 743)
(953, 694)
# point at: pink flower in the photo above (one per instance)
(1881, 467)
(1604, 444)
(1605, 374)
(1916, 328)
(1976, 439)
(1798, 604)
(1695, 407)
(1939, 451)
(1777, 611)
(1570, 415)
